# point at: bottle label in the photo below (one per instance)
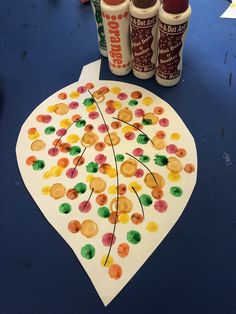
(142, 39)
(98, 17)
(169, 46)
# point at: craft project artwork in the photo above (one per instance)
(112, 167)
(230, 13)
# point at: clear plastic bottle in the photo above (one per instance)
(172, 29)
(143, 29)
(115, 15)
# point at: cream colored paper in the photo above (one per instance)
(157, 222)
(230, 13)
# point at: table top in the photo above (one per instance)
(43, 47)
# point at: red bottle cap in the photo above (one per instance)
(113, 2)
(175, 6)
(144, 4)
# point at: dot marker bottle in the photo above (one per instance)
(143, 28)
(172, 29)
(115, 15)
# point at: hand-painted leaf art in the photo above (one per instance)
(112, 167)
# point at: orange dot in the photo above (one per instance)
(158, 110)
(157, 193)
(72, 194)
(56, 142)
(123, 249)
(137, 125)
(115, 271)
(63, 162)
(75, 117)
(181, 152)
(88, 128)
(99, 146)
(32, 130)
(113, 218)
(39, 118)
(136, 95)
(89, 85)
(104, 168)
(62, 96)
(160, 134)
(104, 90)
(78, 160)
(74, 226)
(125, 14)
(110, 103)
(189, 168)
(115, 125)
(64, 147)
(122, 189)
(101, 199)
(137, 218)
(30, 160)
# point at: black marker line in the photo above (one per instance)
(139, 200)
(117, 177)
(144, 166)
(133, 127)
(78, 162)
(88, 200)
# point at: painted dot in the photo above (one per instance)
(175, 136)
(81, 123)
(122, 96)
(71, 194)
(189, 168)
(134, 186)
(115, 90)
(80, 187)
(133, 102)
(93, 115)
(164, 122)
(139, 173)
(110, 110)
(174, 176)
(133, 236)
(108, 239)
(171, 149)
(107, 261)
(146, 200)
(147, 121)
(103, 128)
(115, 271)
(54, 151)
(104, 212)
(152, 226)
(72, 173)
(78, 161)
(62, 96)
(113, 17)
(147, 101)
(74, 94)
(88, 102)
(138, 152)
(139, 113)
(65, 123)
(130, 136)
(101, 199)
(115, 125)
(76, 117)
(56, 171)
(75, 150)
(46, 190)
(136, 95)
(161, 206)
(161, 160)
(82, 89)
(137, 218)
(119, 157)
(160, 134)
(100, 159)
(119, 16)
(142, 139)
(92, 167)
(89, 85)
(88, 251)
(176, 191)
(158, 110)
(124, 218)
(88, 128)
(123, 250)
(73, 105)
(38, 165)
(63, 162)
(30, 160)
(65, 208)
(144, 158)
(181, 152)
(64, 147)
(61, 132)
(49, 130)
(85, 206)
(46, 118)
(72, 138)
(74, 226)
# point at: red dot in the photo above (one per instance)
(119, 16)
(113, 17)
(126, 14)
(108, 16)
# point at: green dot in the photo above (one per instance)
(133, 102)
(161, 160)
(142, 139)
(92, 167)
(120, 157)
(133, 236)
(65, 208)
(88, 251)
(75, 150)
(103, 212)
(49, 130)
(147, 122)
(80, 187)
(38, 165)
(80, 123)
(88, 102)
(176, 191)
(146, 200)
(144, 158)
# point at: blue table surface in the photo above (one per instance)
(43, 47)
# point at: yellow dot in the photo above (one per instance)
(116, 90)
(117, 105)
(174, 176)
(109, 261)
(56, 171)
(111, 173)
(65, 123)
(74, 94)
(34, 136)
(89, 178)
(124, 218)
(152, 226)
(72, 138)
(136, 186)
(46, 190)
(127, 129)
(147, 101)
(112, 189)
(51, 108)
(47, 175)
(175, 136)
(91, 108)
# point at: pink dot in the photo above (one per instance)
(61, 132)
(122, 96)
(46, 118)
(71, 173)
(107, 239)
(139, 173)
(161, 206)
(93, 115)
(81, 89)
(110, 110)
(53, 151)
(138, 152)
(73, 105)
(119, 16)
(103, 128)
(139, 113)
(171, 149)
(125, 14)
(100, 159)
(130, 136)
(108, 16)
(164, 122)
(85, 206)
